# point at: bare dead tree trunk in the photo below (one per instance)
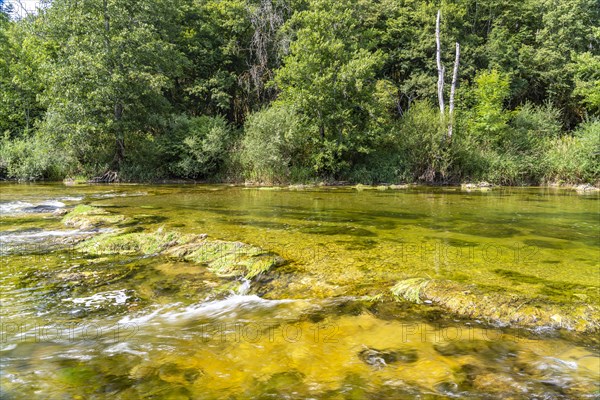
(453, 89)
(440, 68)
(266, 19)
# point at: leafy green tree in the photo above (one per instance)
(108, 76)
(211, 38)
(275, 145)
(569, 27)
(489, 118)
(329, 75)
(587, 81)
(5, 77)
(20, 79)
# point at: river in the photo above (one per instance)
(360, 293)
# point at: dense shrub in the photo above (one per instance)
(574, 158)
(200, 146)
(32, 158)
(531, 126)
(422, 143)
(144, 158)
(274, 146)
(380, 167)
(504, 147)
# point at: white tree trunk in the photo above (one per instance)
(453, 89)
(440, 68)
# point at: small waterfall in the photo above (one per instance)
(244, 287)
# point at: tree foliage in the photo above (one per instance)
(292, 90)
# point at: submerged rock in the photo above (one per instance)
(43, 208)
(497, 307)
(447, 388)
(280, 384)
(499, 384)
(381, 358)
(225, 259)
(134, 243)
(173, 373)
(586, 188)
(490, 351)
(86, 217)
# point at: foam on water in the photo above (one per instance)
(211, 309)
(35, 235)
(244, 288)
(12, 207)
(220, 308)
(31, 206)
(22, 236)
(102, 299)
(124, 347)
(71, 198)
(52, 203)
(37, 240)
(23, 207)
(557, 364)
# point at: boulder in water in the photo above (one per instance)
(381, 358)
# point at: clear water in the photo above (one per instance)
(323, 325)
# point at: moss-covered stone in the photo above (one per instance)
(360, 187)
(225, 259)
(86, 217)
(497, 307)
(481, 186)
(134, 243)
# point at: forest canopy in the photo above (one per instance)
(279, 91)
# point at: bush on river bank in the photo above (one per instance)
(411, 154)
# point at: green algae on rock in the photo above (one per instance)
(471, 301)
(134, 243)
(410, 289)
(225, 259)
(85, 217)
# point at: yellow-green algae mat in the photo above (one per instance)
(505, 309)
(236, 259)
(347, 350)
(223, 258)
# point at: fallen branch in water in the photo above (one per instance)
(108, 177)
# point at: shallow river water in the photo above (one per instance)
(324, 324)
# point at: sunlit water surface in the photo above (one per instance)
(150, 327)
